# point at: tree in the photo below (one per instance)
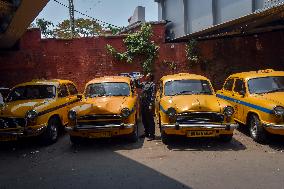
(46, 27)
(138, 44)
(83, 28)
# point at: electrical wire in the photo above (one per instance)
(97, 20)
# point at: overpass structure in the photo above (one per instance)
(15, 18)
(206, 19)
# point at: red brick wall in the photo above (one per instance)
(80, 60)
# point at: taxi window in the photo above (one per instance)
(63, 92)
(72, 89)
(239, 86)
(228, 86)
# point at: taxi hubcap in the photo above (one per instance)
(53, 132)
(253, 128)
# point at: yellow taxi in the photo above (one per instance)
(37, 108)
(109, 108)
(258, 100)
(186, 105)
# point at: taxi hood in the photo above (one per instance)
(20, 108)
(102, 105)
(186, 103)
(276, 97)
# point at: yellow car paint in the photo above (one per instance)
(100, 116)
(259, 104)
(14, 112)
(187, 105)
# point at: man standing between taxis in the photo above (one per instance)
(147, 105)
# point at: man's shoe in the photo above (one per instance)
(143, 136)
(151, 137)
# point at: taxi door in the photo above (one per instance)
(63, 103)
(227, 93)
(73, 95)
(239, 93)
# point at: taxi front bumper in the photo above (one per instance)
(273, 126)
(185, 129)
(277, 129)
(22, 132)
(110, 130)
(201, 126)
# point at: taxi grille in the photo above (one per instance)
(200, 117)
(6, 123)
(100, 120)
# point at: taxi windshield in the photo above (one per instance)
(31, 92)
(187, 87)
(107, 89)
(266, 84)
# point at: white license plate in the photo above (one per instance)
(200, 133)
(100, 135)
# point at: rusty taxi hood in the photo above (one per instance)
(102, 105)
(275, 98)
(187, 103)
(19, 108)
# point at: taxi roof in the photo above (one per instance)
(45, 82)
(256, 74)
(105, 79)
(182, 76)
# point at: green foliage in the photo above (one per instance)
(114, 31)
(83, 28)
(192, 52)
(138, 44)
(45, 27)
(171, 64)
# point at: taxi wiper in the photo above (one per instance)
(184, 92)
(275, 90)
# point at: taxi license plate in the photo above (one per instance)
(100, 135)
(8, 138)
(200, 133)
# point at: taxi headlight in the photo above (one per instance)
(229, 111)
(31, 115)
(125, 112)
(278, 110)
(171, 112)
(72, 115)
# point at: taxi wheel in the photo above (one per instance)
(226, 138)
(51, 133)
(164, 137)
(135, 135)
(75, 139)
(257, 132)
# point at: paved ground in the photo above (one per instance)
(146, 164)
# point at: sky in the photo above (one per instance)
(115, 12)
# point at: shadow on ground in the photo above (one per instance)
(91, 164)
(203, 144)
(275, 142)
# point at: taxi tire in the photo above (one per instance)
(75, 139)
(51, 133)
(260, 135)
(226, 138)
(133, 137)
(165, 137)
